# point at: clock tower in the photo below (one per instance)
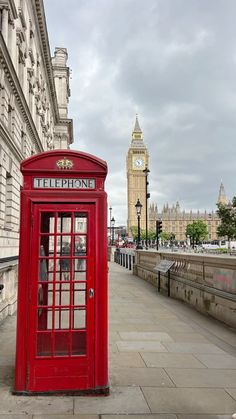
(136, 163)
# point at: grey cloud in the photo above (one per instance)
(173, 62)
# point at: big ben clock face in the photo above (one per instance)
(138, 163)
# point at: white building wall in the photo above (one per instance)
(30, 120)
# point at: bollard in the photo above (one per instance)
(126, 261)
(130, 261)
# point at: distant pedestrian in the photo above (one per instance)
(65, 262)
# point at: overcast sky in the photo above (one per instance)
(174, 63)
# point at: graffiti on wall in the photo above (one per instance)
(224, 279)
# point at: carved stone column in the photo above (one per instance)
(5, 24)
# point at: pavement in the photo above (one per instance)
(167, 361)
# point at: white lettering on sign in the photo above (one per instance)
(63, 183)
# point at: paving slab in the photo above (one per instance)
(140, 346)
(112, 348)
(65, 417)
(113, 336)
(7, 359)
(188, 337)
(6, 375)
(149, 416)
(179, 327)
(5, 416)
(189, 401)
(204, 416)
(165, 360)
(140, 377)
(193, 348)
(138, 320)
(122, 400)
(153, 327)
(217, 361)
(202, 377)
(10, 404)
(215, 331)
(126, 359)
(232, 392)
(117, 326)
(159, 336)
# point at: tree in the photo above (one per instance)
(165, 237)
(151, 235)
(197, 231)
(134, 232)
(227, 215)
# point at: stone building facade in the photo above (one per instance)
(34, 93)
(175, 220)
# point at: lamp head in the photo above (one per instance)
(138, 207)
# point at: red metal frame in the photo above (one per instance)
(62, 361)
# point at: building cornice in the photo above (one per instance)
(41, 26)
(11, 75)
(69, 123)
(61, 68)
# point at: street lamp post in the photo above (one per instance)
(113, 228)
(138, 207)
(110, 209)
(147, 195)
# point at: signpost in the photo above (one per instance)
(164, 267)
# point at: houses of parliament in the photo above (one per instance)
(174, 218)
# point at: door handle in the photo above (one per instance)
(91, 292)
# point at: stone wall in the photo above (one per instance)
(204, 281)
(8, 278)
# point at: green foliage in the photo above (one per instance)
(222, 250)
(227, 215)
(166, 237)
(134, 232)
(142, 234)
(152, 235)
(197, 231)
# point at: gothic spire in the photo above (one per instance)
(222, 198)
(137, 132)
(136, 126)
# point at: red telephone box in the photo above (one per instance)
(62, 293)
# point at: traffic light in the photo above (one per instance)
(159, 226)
(158, 230)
